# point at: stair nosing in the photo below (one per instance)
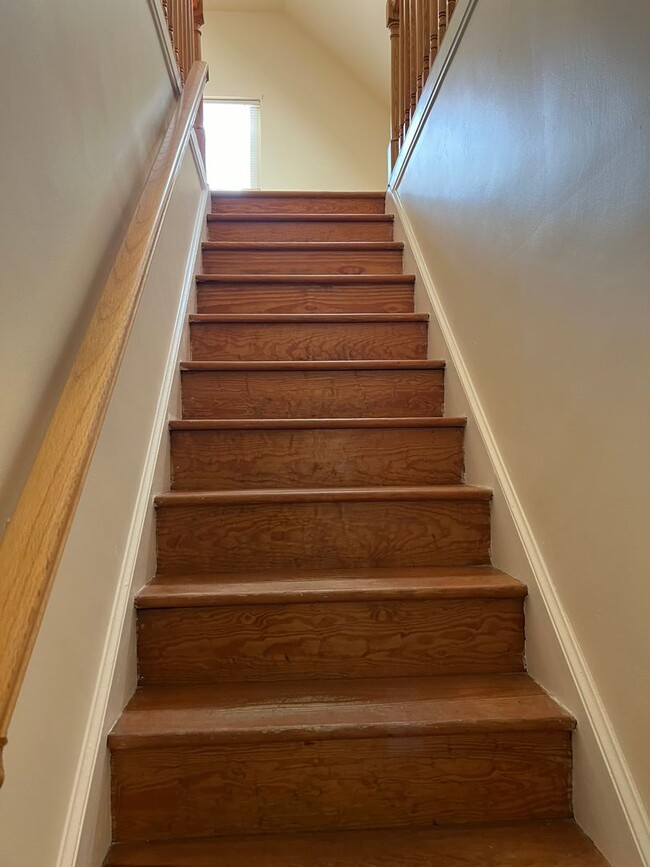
(397, 717)
(303, 318)
(298, 217)
(316, 423)
(307, 246)
(411, 493)
(290, 194)
(239, 590)
(311, 279)
(398, 364)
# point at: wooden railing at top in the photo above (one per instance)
(185, 20)
(417, 28)
(36, 535)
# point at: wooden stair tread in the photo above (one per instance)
(324, 495)
(336, 709)
(299, 318)
(314, 423)
(340, 585)
(521, 844)
(311, 279)
(292, 194)
(307, 246)
(300, 218)
(314, 365)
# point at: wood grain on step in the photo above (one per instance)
(286, 258)
(302, 341)
(324, 710)
(322, 585)
(308, 227)
(525, 844)
(312, 392)
(330, 640)
(210, 459)
(360, 294)
(211, 789)
(263, 202)
(232, 537)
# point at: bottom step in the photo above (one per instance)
(543, 844)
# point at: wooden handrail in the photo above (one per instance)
(36, 535)
(417, 28)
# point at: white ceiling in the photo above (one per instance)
(354, 31)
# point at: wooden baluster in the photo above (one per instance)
(433, 31)
(198, 21)
(419, 6)
(424, 39)
(451, 5)
(406, 65)
(442, 20)
(414, 58)
(393, 24)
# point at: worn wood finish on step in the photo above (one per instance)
(298, 640)
(294, 453)
(290, 294)
(305, 227)
(312, 390)
(321, 585)
(161, 716)
(269, 202)
(198, 761)
(285, 258)
(525, 844)
(332, 529)
(305, 337)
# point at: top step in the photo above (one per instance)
(266, 202)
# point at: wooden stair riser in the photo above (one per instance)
(312, 393)
(326, 535)
(297, 230)
(308, 261)
(297, 204)
(270, 341)
(304, 297)
(322, 457)
(215, 789)
(330, 640)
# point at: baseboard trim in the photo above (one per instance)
(614, 761)
(97, 721)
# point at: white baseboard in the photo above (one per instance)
(622, 785)
(98, 723)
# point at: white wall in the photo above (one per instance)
(528, 193)
(80, 148)
(84, 96)
(321, 126)
(354, 31)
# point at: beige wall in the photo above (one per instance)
(87, 99)
(528, 192)
(321, 127)
(84, 97)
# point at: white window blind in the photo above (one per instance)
(232, 143)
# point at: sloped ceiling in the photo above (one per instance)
(354, 31)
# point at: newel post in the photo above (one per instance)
(393, 24)
(197, 12)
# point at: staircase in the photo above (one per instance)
(326, 649)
